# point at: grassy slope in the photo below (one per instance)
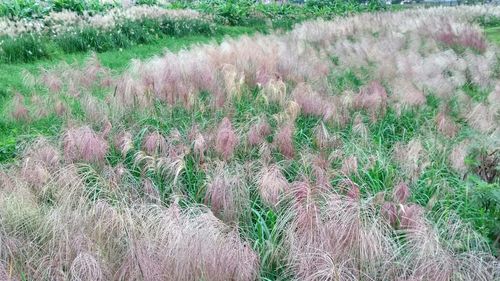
(11, 135)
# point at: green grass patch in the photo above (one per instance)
(493, 34)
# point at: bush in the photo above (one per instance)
(231, 12)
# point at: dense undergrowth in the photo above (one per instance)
(362, 148)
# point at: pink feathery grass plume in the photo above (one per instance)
(271, 184)
(35, 173)
(258, 132)
(466, 37)
(39, 106)
(457, 157)
(154, 143)
(151, 191)
(334, 238)
(226, 193)
(284, 140)
(106, 128)
(389, 211)
(445, 125)
(309, 101)
(406, 94)
(83, 144)
(60, 108)
(350, 165)
(401, 193)
(302, 190)
(354, 192)
(86, 267)
(124, 143)
(373, 98)
(350, 188)
(44, 152)
(412, 158)
(199, 147)
(411, 217)
(324, 140)
(321, 172)
(52, 81)
(481, 118)
(226, 139)
(19, 110)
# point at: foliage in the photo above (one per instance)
(241, 12)
(31, 47)
(38, 9)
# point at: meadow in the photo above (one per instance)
(225, 140)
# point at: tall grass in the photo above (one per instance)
(343, 150)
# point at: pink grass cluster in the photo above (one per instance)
(350, 165)
(310, 102)
(83, 144)
(373, 98)
(467, 37)
(284, 140)
(124, 142)
(258, 132)
(445, 125)
(154, 143)
(226, 139)
(272, 185)
(226, 193)
(412, 158)
(19, 110)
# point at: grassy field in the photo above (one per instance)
(11, 80)
(365, 147)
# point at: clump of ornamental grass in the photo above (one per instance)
(372, 98)
(458, 155)
(466, 37)
(155, 144)
(258, 132)
(86, 267)
(226, 139)
(271, 184)
(275, 91)
(227, 192)
(324, 140)
(332, 236)
(481, 119)
(60, 108)
(284, 140)
(19, 111)
(124, 142)
(199, 143)
(349, 165)
(445, 125)
(84, 144)
(412, 158)
(406, 94)
(310, 102)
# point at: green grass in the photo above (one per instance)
(493, 34)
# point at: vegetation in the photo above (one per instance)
(359, 147)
